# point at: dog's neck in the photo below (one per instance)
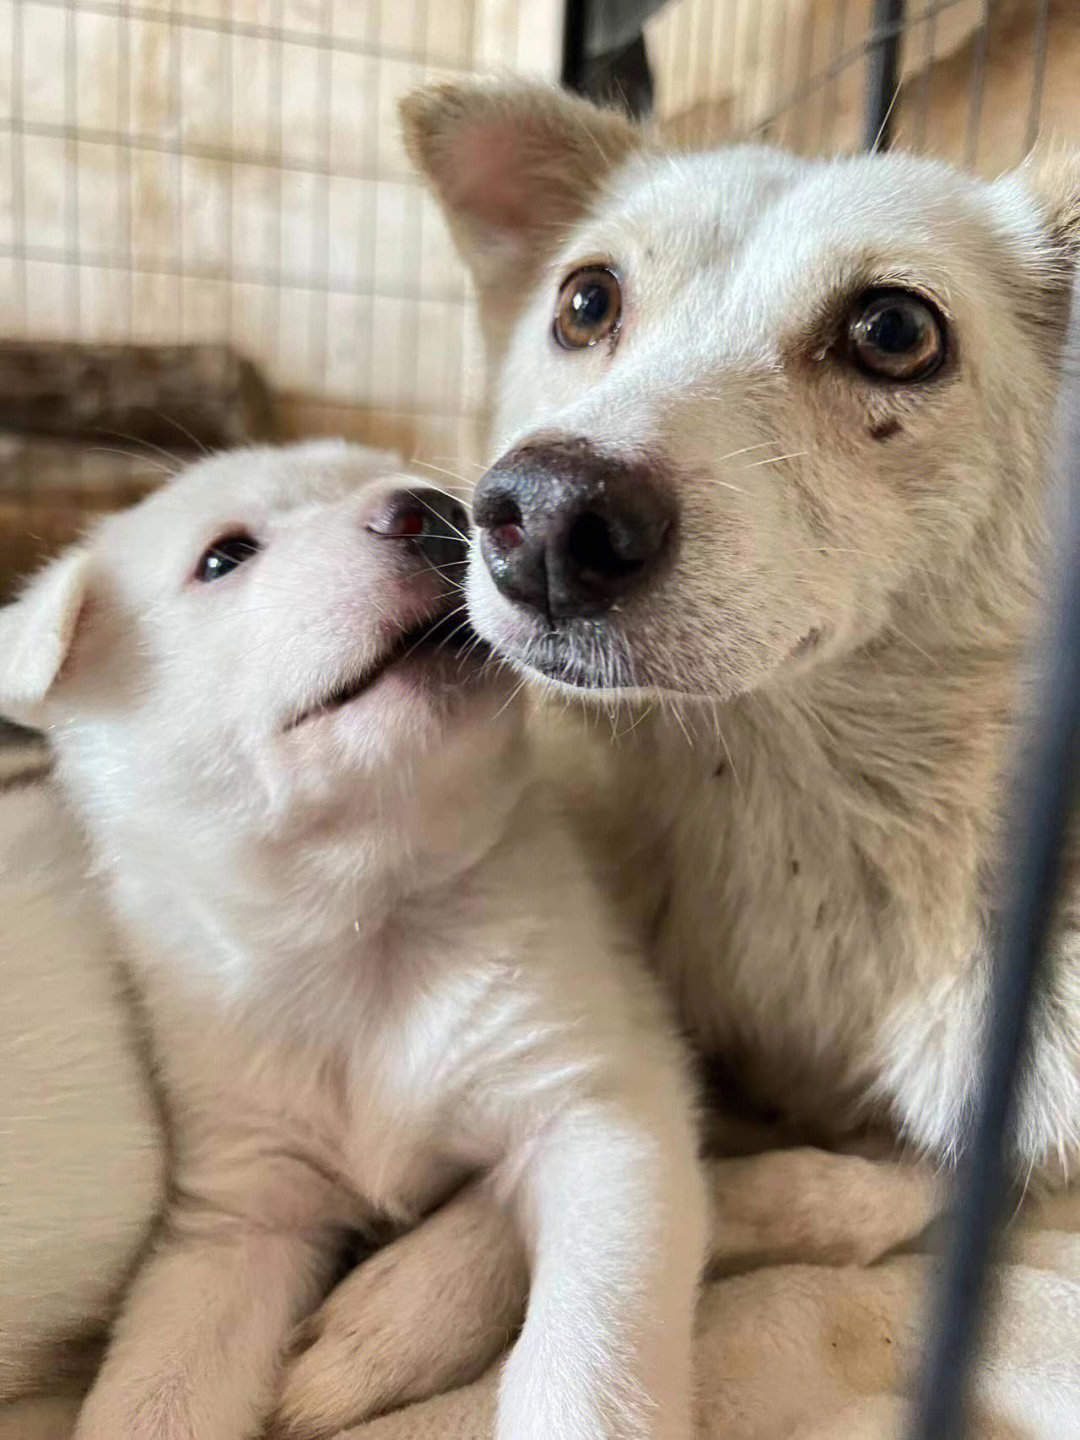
(895, 751)
(905, 741)
(312, 882)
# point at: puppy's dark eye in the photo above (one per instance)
(896, 335)
(589, 308)
(225, 555)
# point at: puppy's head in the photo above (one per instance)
(268, 627)
(750, 409)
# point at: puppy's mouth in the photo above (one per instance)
(445, 634)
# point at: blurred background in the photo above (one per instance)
(210, 235)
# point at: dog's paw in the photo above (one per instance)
(428, 1312)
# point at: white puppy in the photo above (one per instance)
(372, 960)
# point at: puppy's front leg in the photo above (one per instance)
(196, 1350)
(613, 1206)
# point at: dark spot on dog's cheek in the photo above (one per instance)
(883, 429)
(794, 867)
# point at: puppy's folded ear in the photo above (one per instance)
(37, 632)
(515, 166)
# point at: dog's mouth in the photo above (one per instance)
(445, 634)
(576, 663)
(594, 662)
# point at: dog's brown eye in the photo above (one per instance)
(589, 309)
(225, 555)
(896, 335)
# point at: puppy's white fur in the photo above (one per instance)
(82, 1174)
(822, 689)
(372, 960)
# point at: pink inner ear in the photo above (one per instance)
(498, 172)
(69, 664)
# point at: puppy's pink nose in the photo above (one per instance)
(435, 523)
(568, 530)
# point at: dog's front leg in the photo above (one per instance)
(428, 1312)
(613, 1207)
(196, 1350)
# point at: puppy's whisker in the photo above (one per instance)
(175, 460)
(133, 455)
(200, 445)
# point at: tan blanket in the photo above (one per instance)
(816, 1327)
(813, 1327)
(809, 1327)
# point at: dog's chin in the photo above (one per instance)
(603, 669)
(437, 665)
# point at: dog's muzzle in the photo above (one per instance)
(568, 530)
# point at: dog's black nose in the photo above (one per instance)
(568, 530)
(435, 523)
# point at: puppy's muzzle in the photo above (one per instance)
(568, 530)
(433, 524)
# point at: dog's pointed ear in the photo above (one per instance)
(1052, 174)
(515, 166)
(37, 632)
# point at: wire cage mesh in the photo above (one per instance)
(977, 80)
(231, 170)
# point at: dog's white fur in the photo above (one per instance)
(831, 888)
(373, 961)
(822, 821)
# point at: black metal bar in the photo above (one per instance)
(604, 56)
(575, 30)
(1043, 803)
(883, 72)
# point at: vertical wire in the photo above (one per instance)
(978, 83)
(1038, 79)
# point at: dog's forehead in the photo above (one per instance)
(284, 477)
(691, 212)
(247, 486)
(245, 490)
(696, 202)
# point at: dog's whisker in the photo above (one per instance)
(512, 696)
(461, 534)
(746, 449)
(442, 470)
(719, 484)
(775, 459)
